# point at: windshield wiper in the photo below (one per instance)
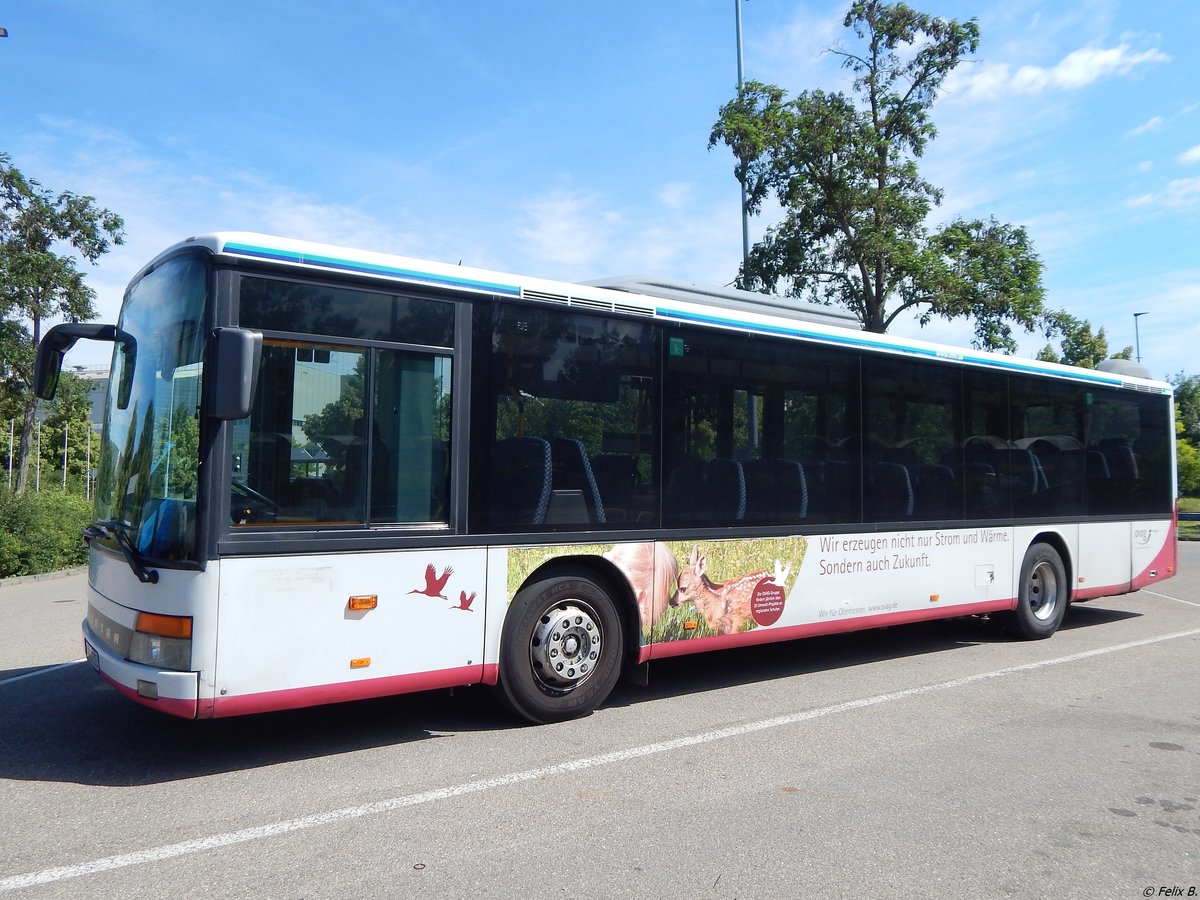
(119, 533)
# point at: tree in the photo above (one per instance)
(69, 420)
(1187, 459)
(39, 280)
(1079, 346)
(1187, 404)
(844, 169)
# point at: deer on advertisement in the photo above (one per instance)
(725, 605)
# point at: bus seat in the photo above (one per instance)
(889, 492)
(935, 496)
(1122, 463)
(616, 479)
(521, 481)
(839, 494)
(1024, 472)
(1097, 465)
(684, 491)
(724, 490)
(706, 492)
(776, 491)
(573, 471)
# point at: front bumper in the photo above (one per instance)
(176, 693)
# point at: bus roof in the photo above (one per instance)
(655, 298)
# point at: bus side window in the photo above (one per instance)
(562, 422)
(410, 437)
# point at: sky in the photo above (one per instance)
(568, 140)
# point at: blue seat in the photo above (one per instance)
(520, 482)
(573, 472)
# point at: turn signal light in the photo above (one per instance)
(364, 601)
(164, 626)
(360, 663)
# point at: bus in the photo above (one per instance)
(329, 474)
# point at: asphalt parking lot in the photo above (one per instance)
(940, 759)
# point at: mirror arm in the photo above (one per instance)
(60, 339)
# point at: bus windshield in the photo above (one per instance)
(146, 484)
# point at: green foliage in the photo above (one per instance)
(844, 170)
(1079, 347)
(1187, 404)
(68, 419)
(41, 235)
(41, 532)
(1189, 467)
(1187, 457)
(183, 434)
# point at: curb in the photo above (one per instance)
(44, 576)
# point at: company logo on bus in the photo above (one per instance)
(1142, 536)
(766, 603)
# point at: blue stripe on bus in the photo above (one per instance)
(346, 265)
(854, 340)
(848, 340)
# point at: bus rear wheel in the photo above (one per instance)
(561, 651)
(1042, 594)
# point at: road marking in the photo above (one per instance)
(1168, 597)
(41, 671)
(229, 838)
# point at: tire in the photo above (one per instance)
(562, 647)
(1042, 594)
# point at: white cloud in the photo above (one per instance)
(795, 54)
(566, 230)
(1189, 156)
(1075, 70)
(1154, 123)
(1180, 193)
(675, 194)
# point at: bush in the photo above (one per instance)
(41, 532)
(1188, 458)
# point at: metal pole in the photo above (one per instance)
(87, 472)
(1137, 340)
(66, 431)
(10, 449)
(37, 483)
(737, 5)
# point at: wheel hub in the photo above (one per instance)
(1043, 591)
(565, 646)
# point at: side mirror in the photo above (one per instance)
(233, 370)
(61, 338)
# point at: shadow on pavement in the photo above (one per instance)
(66, 725)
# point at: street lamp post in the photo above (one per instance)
(737, 6)
(1137, 342)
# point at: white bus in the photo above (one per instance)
(330, 474)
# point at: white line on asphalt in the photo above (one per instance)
(41, 671)
(1168, 597)
(212, 842)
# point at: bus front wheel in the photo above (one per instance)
(561, 651)
(1042, 594)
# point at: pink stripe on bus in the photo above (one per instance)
(813, 629)
(295, 698)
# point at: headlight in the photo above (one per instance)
(161, 652)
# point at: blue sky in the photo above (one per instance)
(568, 140)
